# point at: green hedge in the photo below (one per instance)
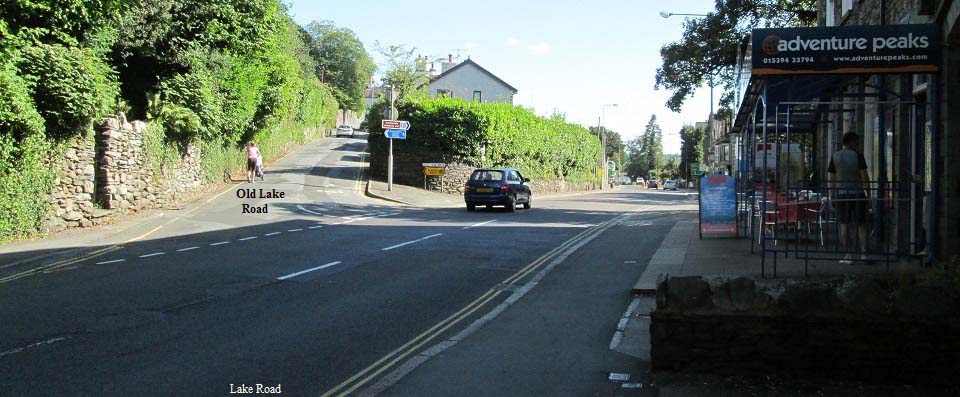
(454, 130)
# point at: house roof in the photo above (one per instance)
(485, 71)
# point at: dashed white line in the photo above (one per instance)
(272, 234)
(294, 230)
(187, 249)
(308, 270)
(33, 345)
(479, 224)
(411, 242)
(113, 261)
(304, 209)
(220, 243)
(247, 238)
(153, 254)
(315, 227)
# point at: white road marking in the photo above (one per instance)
(479, 224)
(304, 209)
(153, 254)
(113, 261)
(272, 234)
(32, 345)
(315, 227)
(220, 243)
(247, 238)
(294, 230)
(308, 270)
(187, 249)
(411, 242)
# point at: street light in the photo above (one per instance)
(603, 141)
(670, 14)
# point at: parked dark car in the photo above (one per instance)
(652, 184)
(497, 186)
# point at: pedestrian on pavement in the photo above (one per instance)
(847, 183)
(253, 157)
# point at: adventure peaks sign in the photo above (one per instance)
(847, 49)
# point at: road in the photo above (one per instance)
(331, 293)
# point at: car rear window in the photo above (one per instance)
(487, 176)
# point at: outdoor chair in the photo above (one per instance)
(822, 215)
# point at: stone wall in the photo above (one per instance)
(881, 328)
(111, 173)
(72, 196)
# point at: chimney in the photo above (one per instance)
(445, 66)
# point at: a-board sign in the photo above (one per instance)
(718, 206)
(434, 171)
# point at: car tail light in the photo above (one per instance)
(505, 188)
(466, 186)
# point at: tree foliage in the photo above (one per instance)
(647, 150)
(691, 149)
(403, 71)
(213, 72)
(708, 50)
(343, 61)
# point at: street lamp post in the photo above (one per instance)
(603, 144)
(670, 14)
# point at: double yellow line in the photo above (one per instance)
(391, 359)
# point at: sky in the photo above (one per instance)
(571, 57)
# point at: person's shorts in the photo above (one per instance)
(851, 208)
(251, 164)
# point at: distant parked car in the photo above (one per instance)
(345, 130)
(639, 180)
(497, 186)
(670, 184)
(652, 184)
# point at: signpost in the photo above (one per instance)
(394, 129)
(434, 169)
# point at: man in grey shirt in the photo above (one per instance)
(848, 175)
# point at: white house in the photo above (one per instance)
(472, 82)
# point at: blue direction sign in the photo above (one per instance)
(395, 133)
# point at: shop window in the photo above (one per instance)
(830, 13)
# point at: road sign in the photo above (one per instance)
(434, 171)
(395, 124)
(395, 134)
(441, 165)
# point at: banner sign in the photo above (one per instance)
(847, 49)
(718, 206)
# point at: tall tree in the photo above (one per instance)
(342, 62)
(651, 154)
(403, 71)
(708, 50)
(691, 148)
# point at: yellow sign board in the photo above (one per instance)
(433, 171)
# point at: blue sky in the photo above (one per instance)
(568, 56)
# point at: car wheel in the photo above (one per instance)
(471, 207)
(512, 205)
(529, 203)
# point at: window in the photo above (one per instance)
(830, 12)
(847, 5)
(487, 176)
(476, 96)
(513, 177)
